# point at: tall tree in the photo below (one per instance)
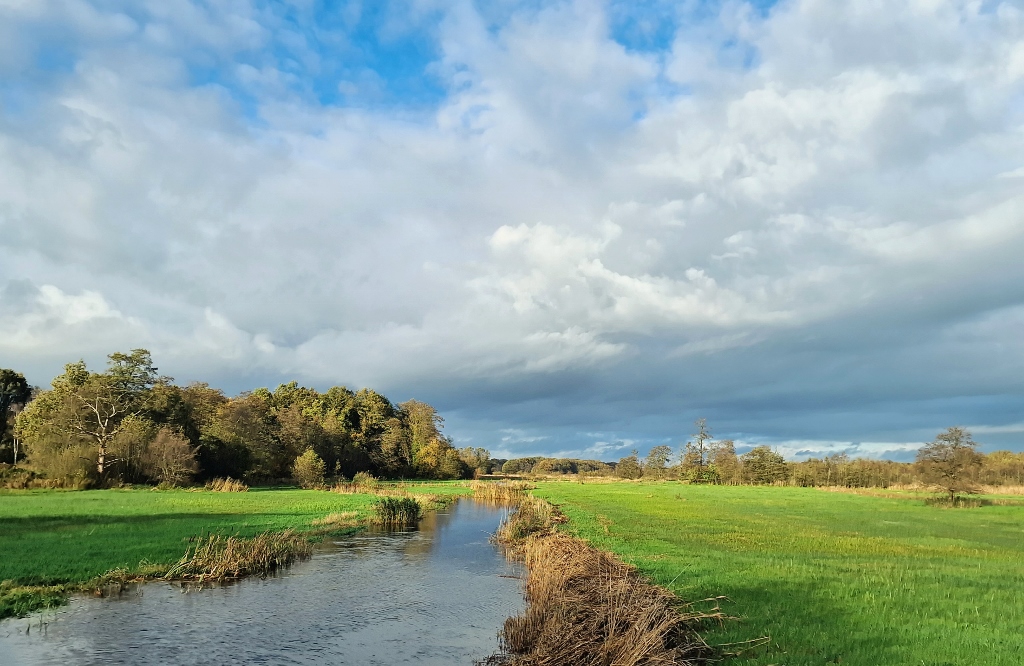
(14, 395)
(697, 448)
(948, 461)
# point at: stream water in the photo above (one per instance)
(436, 594)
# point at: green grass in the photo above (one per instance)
(49, 537)
(832, 578)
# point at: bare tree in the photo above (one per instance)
(695, 454)
(100, 411)
(946, 462)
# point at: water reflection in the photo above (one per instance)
(433, 595)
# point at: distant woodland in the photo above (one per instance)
(129, 424)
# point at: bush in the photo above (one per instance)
(365, 480)
(170, 459)
(309, 469)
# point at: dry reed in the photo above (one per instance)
(227, 485)
(586, 607)
(505, 492)
(218, 558)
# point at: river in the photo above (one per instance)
(437, 594)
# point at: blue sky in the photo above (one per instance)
(575, 227)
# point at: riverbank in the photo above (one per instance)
(56, 543)
(586, 607)
(830, 577)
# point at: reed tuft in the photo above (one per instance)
(397, 511)
(504, 492)
(217, 558)
(227, 485)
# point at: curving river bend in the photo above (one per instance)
(433, 595)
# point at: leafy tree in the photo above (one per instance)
(629, 467)
(309, 469)
(476, 459)
(248, 424)
(657, 461)
(722, 456)
(132, 374)
(762, 466)
(947, 462)
(440, 460)
(425, 425)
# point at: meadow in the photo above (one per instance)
(54, 537)
(831, 578)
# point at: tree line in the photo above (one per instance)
(129, 424)
(951, 462)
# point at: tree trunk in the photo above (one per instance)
(101, 461)
(952, 496)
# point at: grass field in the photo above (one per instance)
(49, 537)
(832, 578)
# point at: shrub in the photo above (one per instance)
(309, 469)
(170, 459)
(365, 480)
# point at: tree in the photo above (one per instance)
(698, 448)
(722, 456)
(695, 463)
(132, 374)
(14, 395)
(629, 467)
(947, 462)
(762, 466)
(100, 411)
(476, 459)
(309, 469)
(170, 458)
(657, 460)
(424, 424)
(440, 460)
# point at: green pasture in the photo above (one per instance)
(831, 578)
(49, 537)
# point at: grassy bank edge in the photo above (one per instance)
(585, 606)
(211, 558)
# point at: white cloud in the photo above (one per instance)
(837, 177)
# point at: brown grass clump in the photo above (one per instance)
(218, 558)
(227, 485)
(1002, 490)
(505, 492)
(586, 607)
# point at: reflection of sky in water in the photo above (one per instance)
(437, 595)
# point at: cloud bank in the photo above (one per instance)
(573, 226)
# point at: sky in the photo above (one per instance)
(573, 227)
